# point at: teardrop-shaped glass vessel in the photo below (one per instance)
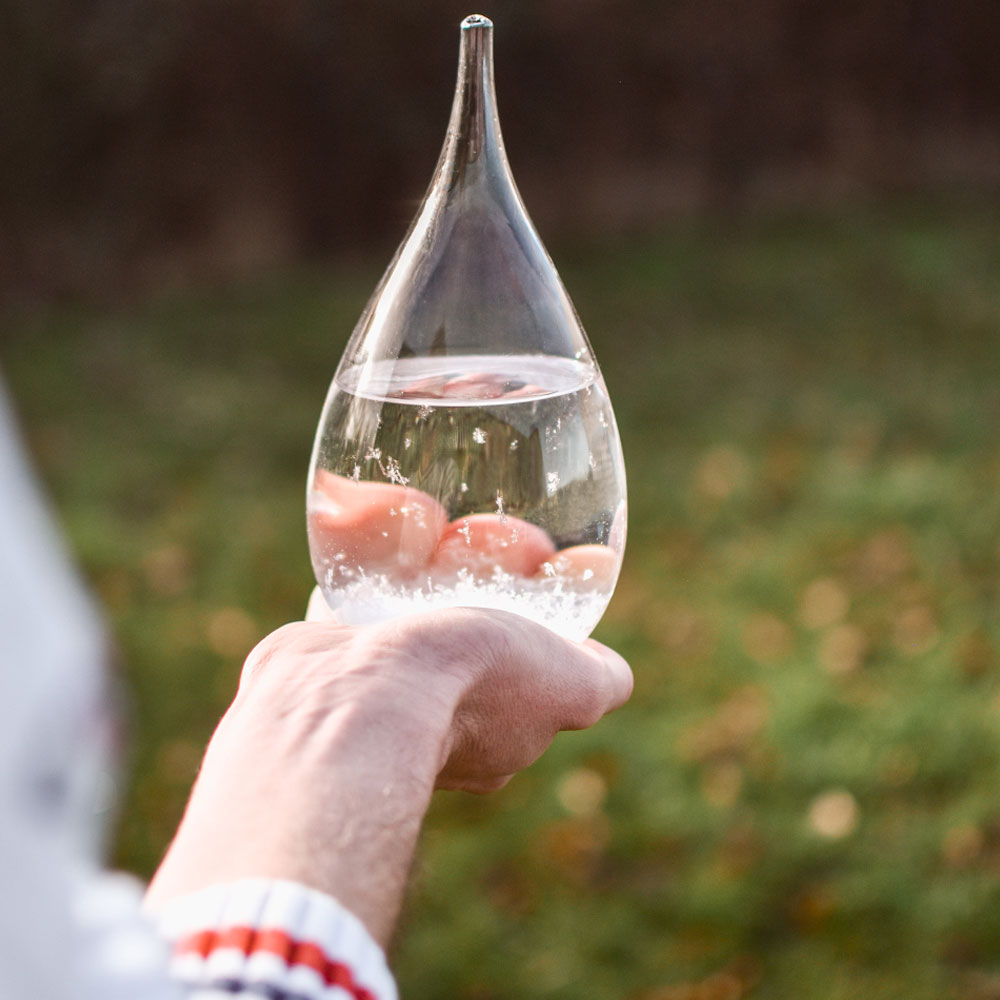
(467, 454)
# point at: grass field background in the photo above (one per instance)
(802, 799)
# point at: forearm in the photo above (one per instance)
(354, 813)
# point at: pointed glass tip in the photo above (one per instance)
(476, 21)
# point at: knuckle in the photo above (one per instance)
(591, 697)
(255, 665)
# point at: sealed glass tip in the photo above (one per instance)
(477, 21)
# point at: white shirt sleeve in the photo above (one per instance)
(55, 743)
(69, 931)
(272, 938)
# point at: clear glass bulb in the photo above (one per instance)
(467, 454)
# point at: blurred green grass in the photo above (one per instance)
(803, 797)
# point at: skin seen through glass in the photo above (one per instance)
(478, 489)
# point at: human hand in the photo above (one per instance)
(518, 685)
(323, 767)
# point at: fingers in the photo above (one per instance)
(529, 678)
(526, 684)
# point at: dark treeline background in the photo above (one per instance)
(148, 144)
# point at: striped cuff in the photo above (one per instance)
(272, 939)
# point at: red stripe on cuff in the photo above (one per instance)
(274, 941)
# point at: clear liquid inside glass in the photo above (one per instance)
(486, 481)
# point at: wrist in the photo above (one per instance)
(320, 777)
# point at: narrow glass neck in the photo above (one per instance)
(474, 139)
